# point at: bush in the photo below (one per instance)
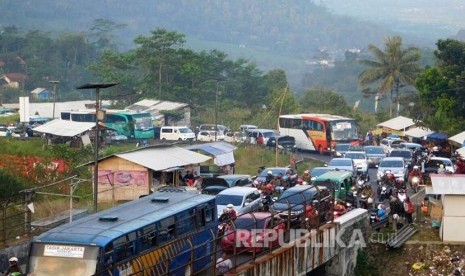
(9, 185)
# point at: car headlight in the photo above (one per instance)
(338, 154)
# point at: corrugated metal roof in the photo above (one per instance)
(163, 158)
(38, 90)
(444, 184)
(155, 106)
(64, 128)
(397, 123)
(459, 138)
(214, 148)
(418, 132)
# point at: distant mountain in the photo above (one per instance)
(273, 33)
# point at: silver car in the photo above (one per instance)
(244, 200)
(395, 165)
(374, 154)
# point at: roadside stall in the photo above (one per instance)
(397, 125)
(417, 134)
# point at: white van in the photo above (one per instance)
(176, 133)
(247, 127)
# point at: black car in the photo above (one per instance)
(214, 185)
(284, 143)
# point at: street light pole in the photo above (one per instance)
(216, 109)
(97, 87)
(54, 82)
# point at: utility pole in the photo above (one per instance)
(54, 82)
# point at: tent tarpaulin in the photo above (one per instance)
(397, 123)
(418, 132)
(458, 138)
(65, 128)
(437, 136)
(162, 158)
(448, 184)
(222, 151)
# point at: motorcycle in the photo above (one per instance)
(384, 192)
(373, 216)
(362, 179)
(222, 227)
(267, 201)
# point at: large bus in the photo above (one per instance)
(131, 124)
(319, 132)
(164, 233)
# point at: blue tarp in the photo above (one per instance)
(437, 136)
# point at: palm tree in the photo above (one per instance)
(392, 68)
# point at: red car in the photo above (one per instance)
(253, 232)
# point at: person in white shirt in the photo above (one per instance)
(223, 264)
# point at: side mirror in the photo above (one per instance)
(246, 203)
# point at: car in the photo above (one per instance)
(241, 180)
(251, 229)
(5, 129)
(391, 143)
(432, 165)
(244, 200)
(374, 154)
(339, 150)
(396, 165)
(115, 137)
(259, 133)
(213, 185)
(209, 136)
(360, 160)
(176, 133)
(412, 146)
(404, 153)
(284, 143)
(317, 171)
(284, 171)
(211, 127)
(4, 112)
(235, 137)
(247, 127)
(343, 163)
(290, 205)
(340, 181)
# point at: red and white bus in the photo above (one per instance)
(319, 132)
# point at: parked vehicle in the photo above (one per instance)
(211, 127)
(241, 180)
(244, 200)
(209, 136)
(411, 146)
(374, 154)
(256, 241)
(255, 135)
(247, 127)
(284, 143)
(176, 133)
(213, 185)
(346, 164)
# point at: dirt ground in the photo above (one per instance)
(423, 254)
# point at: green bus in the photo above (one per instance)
(130, 124)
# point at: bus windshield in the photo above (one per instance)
(62, 260)
(343, 130)
(143, 123)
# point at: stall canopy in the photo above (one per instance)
(222, 151)
(418, 132)
(437, 136)
(163, 158)
(397, 123)
(461, 151)
(459, 139)
(64, 128)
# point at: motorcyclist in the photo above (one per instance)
(389, 178)
(229, 214)
(339, 208)
(381, 213)
(311, 214)
(14, 268)
(306, 177)
(269, 177)
(415, 173)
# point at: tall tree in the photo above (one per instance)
(392, 68)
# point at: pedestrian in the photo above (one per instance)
(14, 268)
(196, 132)
(223, 264)
(377, 140)
(409, 210)
(198, 183)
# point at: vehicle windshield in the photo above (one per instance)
(295, 198)
(319, 171)
(223, 199)
(391, 164)
(374, 150)
(264, 173)
(342, 147)
(185, 130)
(355, 155)
(269, 134)
(401, 153)
(248, 223)
(343, 130)
(62, 260)
(143, 123)
(340, 162)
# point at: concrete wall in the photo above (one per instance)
(453, 205)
